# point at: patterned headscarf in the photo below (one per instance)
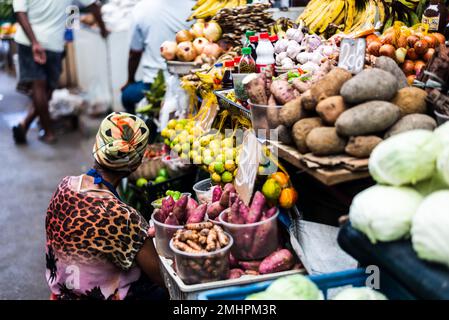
(121, 142)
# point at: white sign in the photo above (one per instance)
(352, 55)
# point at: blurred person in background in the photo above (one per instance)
(40, 40)
(154, 21)
(98, 247)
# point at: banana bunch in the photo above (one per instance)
(280, 26)
(407, 11)
(204, 9)
(359, 18)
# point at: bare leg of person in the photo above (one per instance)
(40, 101)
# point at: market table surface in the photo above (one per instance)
(326, 176)
(423, 279)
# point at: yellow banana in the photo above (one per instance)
(337, 8)
(198, 4)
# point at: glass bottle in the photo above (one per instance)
(435, 16)
(254, 40)
(247, 63)
(228, 82)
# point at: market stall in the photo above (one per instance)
(348, 94)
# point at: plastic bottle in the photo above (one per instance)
(435, 16)
(265, 54)
(248, 35)
(247, 63)
(236, 63)
(228, 82)
(273, 39)
(254, 40)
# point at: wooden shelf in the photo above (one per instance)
(327, 176)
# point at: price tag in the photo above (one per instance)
(352, 55)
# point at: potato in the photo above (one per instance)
(411, 100)
(327, 86)
(291, 112)
(283, 134)
(273, 117)
(301, 129)
(370, 84)
(282, 91)
(389, 65)
(412, 122)
(325, 141)
(361, 147)
(300, 85)
(367, 118)
(330, 109)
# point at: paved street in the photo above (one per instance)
(28, 177)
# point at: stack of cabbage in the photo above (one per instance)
(412, 197)
(299, 287)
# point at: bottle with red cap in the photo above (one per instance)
(265, 54)
(228, 82)
(253, 44)
(273, 39)
(236, 63)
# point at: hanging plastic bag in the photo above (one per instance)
(176, 102)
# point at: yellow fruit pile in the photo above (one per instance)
(215, 153)
(204, 9)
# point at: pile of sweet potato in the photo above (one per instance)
(178, 213)
(202, 238)
(279, 261)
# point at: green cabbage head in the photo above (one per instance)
(443, 164)
(430, 228)
(384, 213)
(362, 293)
(294, 287)
(406, 158)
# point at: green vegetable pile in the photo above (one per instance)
(155, 95)
(412, 198)
(6, 10)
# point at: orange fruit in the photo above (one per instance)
(281, 178)
(288, 198)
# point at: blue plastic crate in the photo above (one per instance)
(325, 282)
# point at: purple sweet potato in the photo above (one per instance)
(265, 234)
(244, 211)
(270, 212)
(180, 208)
(214, 210)
(198, 214)
(229, 187)
(159, 215)
(172, 220)
(250, 265)
(167, 205)
(192, 204)
(255, 212)
(233, 261)
(216, 193)
(278, 261)
(224, 199)
(233, 197)
(235, 273)
(234, 215)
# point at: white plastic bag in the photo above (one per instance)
(176, 102)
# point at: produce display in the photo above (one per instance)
(215, 153)
(201, 252)
(195, 45)
(204, 9)
(411, 48)
(412, 196)
(295, 287)
(236, 21)
(359, 18)
(246, 224)
(308, 52)
(279, 191)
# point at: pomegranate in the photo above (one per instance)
(212, 31)
(168, 50)
(199, 44)
(183, 35)
(212, 50)
(186, 52)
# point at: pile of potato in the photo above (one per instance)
(342, 113)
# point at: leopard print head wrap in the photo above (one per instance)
(121, 142)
